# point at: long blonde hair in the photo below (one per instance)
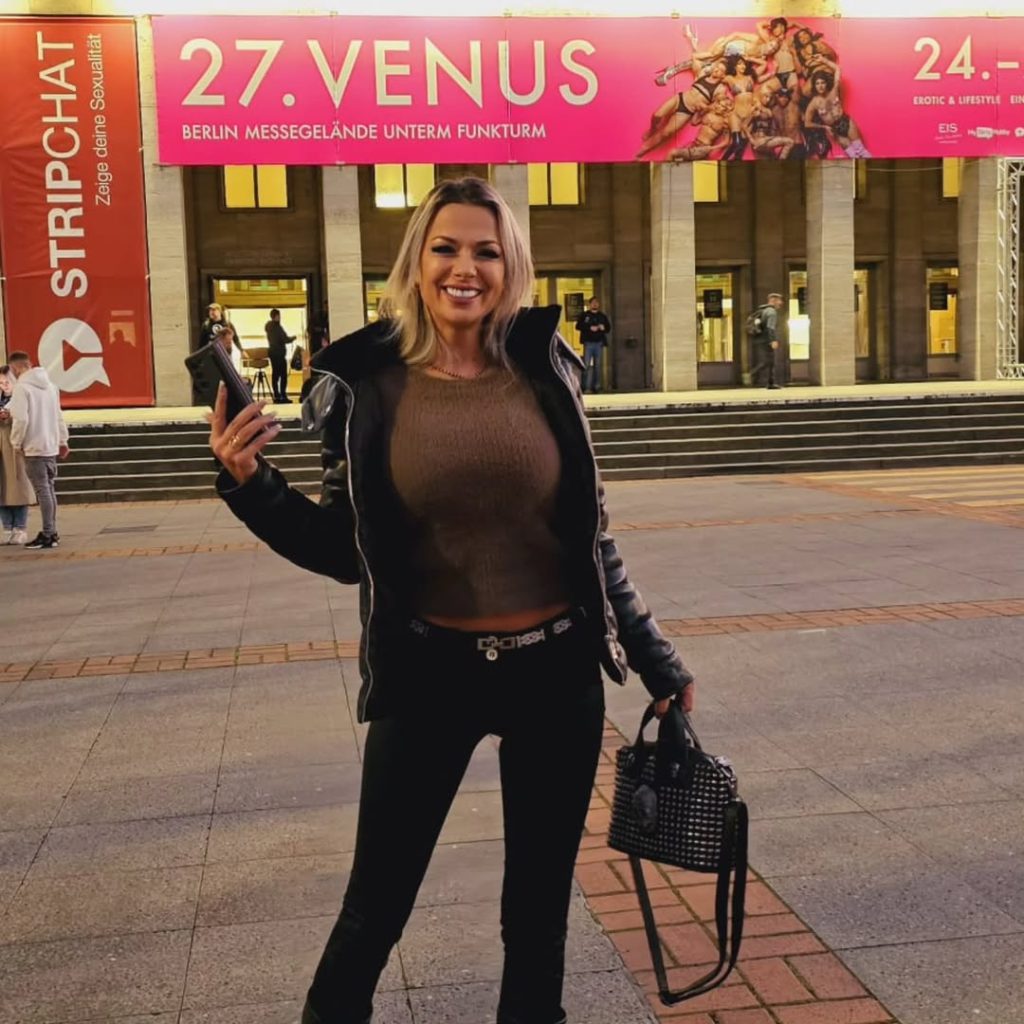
(402, 302)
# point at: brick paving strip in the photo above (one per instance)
(785, 974)
(91, 554)
(911, 505)
(280, 653)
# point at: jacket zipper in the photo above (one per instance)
(552, 349)
(350, 408)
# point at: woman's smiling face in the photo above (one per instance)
(462, 268)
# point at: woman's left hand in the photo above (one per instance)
(685, 701)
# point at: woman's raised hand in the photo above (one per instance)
(236, 444)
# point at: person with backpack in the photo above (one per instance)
(763, 327)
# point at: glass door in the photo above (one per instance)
(373, 292)
(864, 324)
(798, 324)
(942, 283)
(247, 303)
(572, 292)
(717, 351)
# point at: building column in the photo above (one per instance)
(343, 250)
(908, 302)
(168, 249)
(673, 278)
(627, 348)
(977, 214)
(830, 248)
(769, 269)
(768, 272)
(512, 181)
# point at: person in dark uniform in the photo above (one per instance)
(277, 341)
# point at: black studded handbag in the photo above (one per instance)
(677, 805)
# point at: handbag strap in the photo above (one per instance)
(675, 720)
(732, 866)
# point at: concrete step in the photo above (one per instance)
(131, 462)
(290, 456)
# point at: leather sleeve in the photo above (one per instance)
(648, 652)
(318, 537)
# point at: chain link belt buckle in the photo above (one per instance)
(493, 645)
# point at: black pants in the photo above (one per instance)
(763, 364)
(279, 374)
(546, 702)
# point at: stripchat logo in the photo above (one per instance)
(72, 353)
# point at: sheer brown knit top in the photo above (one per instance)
(476, 468)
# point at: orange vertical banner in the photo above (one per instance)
(72, 207)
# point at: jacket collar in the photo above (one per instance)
(375, 346)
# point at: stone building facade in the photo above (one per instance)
(887, 266)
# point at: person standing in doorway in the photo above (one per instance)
(765, 342)
(15, 491)
(594, 328)
(212, 325)
(38, 432)
(278, 340)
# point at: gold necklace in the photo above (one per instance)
(457, 376)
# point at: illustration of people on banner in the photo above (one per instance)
(775, 93)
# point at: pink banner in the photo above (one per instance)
(362, 90)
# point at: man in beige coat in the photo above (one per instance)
(16, 492)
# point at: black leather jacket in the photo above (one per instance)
(356, 535)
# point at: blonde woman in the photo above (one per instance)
(460, 492)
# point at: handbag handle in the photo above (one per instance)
(674, 729)
(732, 866)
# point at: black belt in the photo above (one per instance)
(493, 645)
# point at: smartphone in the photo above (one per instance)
(209, 366)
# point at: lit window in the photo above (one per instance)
(860, 179)
(565, 184)
(554, 184)
(708, 184)
(397, 186)
(272, 186)
(419, 180)
(247, 187)
(951, 167)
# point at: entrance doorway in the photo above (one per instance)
(718, 362)
(798, 327)
(799, 324)
(942, 283)
(571, 292)
(865, 350)
(373, 293)
(247, 303)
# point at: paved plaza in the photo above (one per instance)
(179, 766)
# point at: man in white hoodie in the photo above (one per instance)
(39, 431)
